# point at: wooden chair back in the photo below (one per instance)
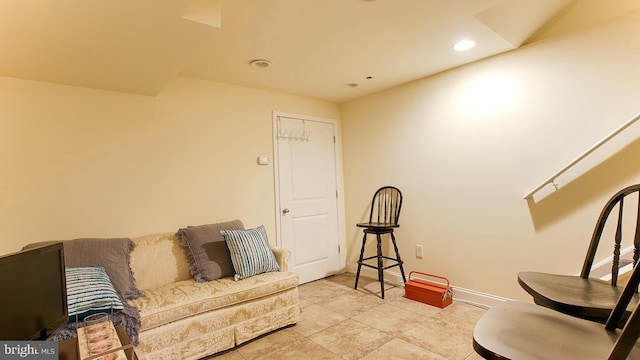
(386, 205)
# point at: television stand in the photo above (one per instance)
(68, 349)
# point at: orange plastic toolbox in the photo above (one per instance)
(427, 291)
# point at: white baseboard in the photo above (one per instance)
(476, 298)
(460, 294)
(602, 269)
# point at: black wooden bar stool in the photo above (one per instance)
(386, 205)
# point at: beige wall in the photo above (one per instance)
(466, 145)
(78, 162)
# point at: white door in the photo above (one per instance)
(307, 191)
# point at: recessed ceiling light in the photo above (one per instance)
(464, 45)
(352, 85)
(260, 63)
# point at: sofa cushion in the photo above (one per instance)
(187, 298)
(158, 260)
(89, 291)
(250, 252)
(207, 251)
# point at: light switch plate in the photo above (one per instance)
(264, 160)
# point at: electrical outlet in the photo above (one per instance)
(419, 250)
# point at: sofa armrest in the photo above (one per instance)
(282, 256)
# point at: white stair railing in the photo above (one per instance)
(552, 178)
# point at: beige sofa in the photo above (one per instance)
(184, 319)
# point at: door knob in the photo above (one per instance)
(285, 211)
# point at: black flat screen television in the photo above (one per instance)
(33, 300)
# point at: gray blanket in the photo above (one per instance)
(129, 318)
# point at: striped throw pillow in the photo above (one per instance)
(89, 291)
(250, 252)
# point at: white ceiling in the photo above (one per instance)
(316, 47)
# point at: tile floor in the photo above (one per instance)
(338, 322)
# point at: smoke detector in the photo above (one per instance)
(260, 63)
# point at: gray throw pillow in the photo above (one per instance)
(112, 254)
(207, 251)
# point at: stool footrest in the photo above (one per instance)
(383, 257)
(383, 268)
